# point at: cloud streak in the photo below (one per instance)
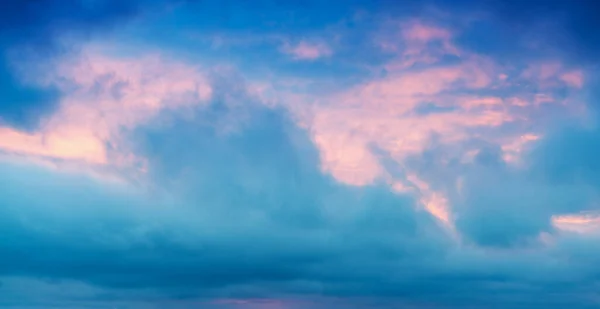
(307, 51)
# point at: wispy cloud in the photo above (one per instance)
(307, 51)
(479, 99)
(103, 98)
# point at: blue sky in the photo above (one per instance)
(299, 154)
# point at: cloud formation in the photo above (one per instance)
(45, 26)
(105, 96)
(425, 99)
(394, 162)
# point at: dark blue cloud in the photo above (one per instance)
(248, 214)
(570, 155)
(247, 208)
(499, 205)
(506, 209)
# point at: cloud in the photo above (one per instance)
(500, 208)
(431, 175)
(221, 222)
(50, 27)
(304, 50)
(474, 98)
(212, 205)
(101, 98)
(583, 222)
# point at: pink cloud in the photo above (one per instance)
(513, 147)
(418, 31)
(307, 51)
(102, 97)
(551, 74)
(412, 43)
(381, 113)
(573, 78)
(116, 94)
(64, 143)
(579, 223)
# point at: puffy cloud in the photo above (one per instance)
(228, 224)
(224, 217)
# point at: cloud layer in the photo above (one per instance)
(365, 159)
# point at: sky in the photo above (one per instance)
(299, 154)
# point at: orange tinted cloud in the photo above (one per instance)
(580, 223)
